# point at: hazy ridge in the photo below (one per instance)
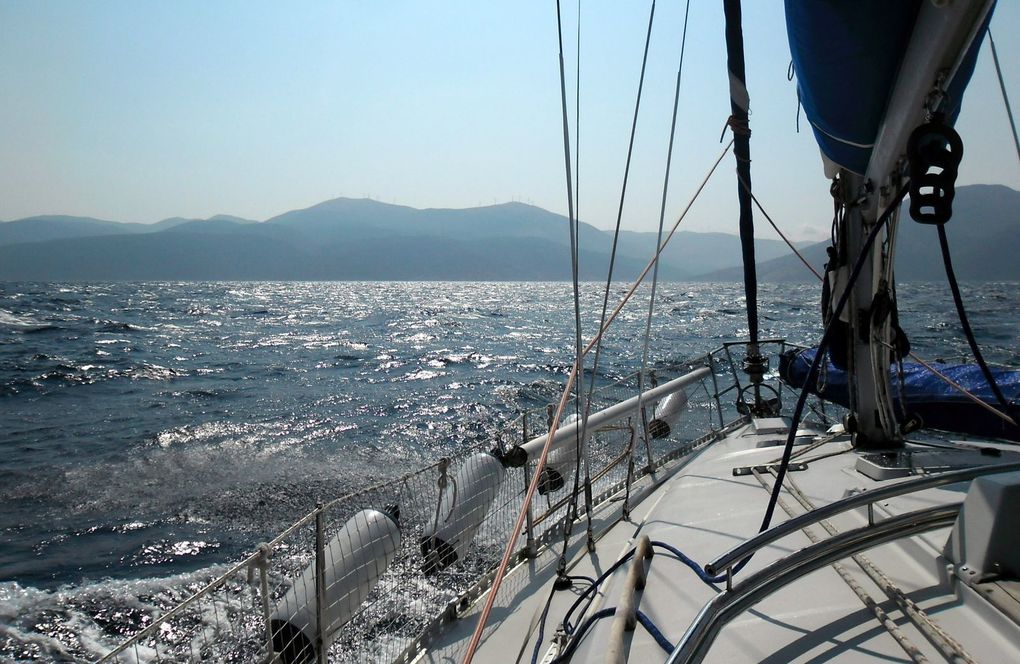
(353, 239)
(984, 240)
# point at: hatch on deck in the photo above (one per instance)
(770, 425)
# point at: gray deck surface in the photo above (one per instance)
(698, 506)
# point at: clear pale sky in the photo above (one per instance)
(138, 111)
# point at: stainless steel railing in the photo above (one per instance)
(865, 499)
(698, 638)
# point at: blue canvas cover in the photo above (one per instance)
(847, 55)
(940, 405)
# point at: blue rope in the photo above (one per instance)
(592, 588)
(645, 621)
(541, 630)
(659, 637)
(576, 640)
(698, 569)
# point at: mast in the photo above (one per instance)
(754, 363)
(942, 36)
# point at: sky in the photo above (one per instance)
(141, 110)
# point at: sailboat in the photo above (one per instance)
(761, 502)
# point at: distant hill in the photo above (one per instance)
(350, 239)
(60, 227)
(364, 239)
(984, 239)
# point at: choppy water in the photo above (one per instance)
(155, 429)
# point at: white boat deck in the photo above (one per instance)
(699, 506)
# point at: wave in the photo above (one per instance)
(23, 324)
(83, 623)
(115, 326)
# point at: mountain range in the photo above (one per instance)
(363, 239)
(984, 241)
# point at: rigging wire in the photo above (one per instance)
(476, 636)
(619, 217)
(644, 273)
(571, 211)
(508, 551)
(658, 239)
(580, 398)
(965, 323)
(568, 527)
(776, 229)
(572, 195)
(1005, 97)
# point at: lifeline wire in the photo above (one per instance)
(658, 239)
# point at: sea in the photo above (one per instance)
(150, 431)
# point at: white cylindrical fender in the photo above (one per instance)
(667, 412)
(560, 464)
(355, 561)
(462, 509)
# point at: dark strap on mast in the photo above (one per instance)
(754, 364)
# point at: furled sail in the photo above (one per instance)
(847, 56)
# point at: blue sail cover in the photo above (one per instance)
(847, 56)
(939, 405)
